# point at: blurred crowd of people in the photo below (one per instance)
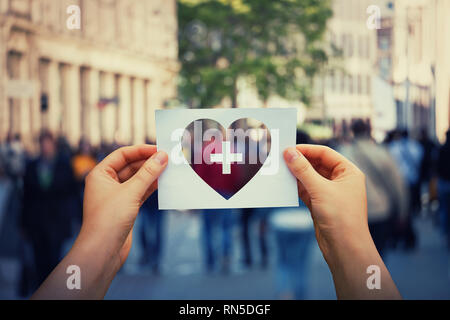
(397, 171)
(41, 204)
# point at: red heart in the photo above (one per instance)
(246, 139)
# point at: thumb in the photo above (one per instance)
(147, 174)
(301, 168)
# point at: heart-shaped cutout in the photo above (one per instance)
(226, 159)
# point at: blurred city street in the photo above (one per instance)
(421, 274)
(370, 79)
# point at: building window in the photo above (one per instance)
(350, 84)
(62, 71)
(332, 79)
(117, 108)
(344, 44)
(350, 45)
(333, 39)
(13, 65)
(367, 47)
(13, 70)
(359, 84)
(369, 85)
(361, 46)
(84, 74)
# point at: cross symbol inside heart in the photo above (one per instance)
(226, 159)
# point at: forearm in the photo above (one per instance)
(349, 261)
(97, 270)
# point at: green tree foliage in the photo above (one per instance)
(275, 45)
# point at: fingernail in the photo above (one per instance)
(161, 157)
(292, 154)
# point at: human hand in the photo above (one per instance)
(115, 190)
(334, 190)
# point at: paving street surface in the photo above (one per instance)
(420, 274)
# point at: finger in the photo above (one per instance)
(149, 191)
(130, 170)
(323, 171)
(120, 158)
(302, 169)
(303, 194)
(329, 159)
(147, 174)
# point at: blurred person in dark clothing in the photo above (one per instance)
(261, 217)
(389, 137)
(443, 172)
(293, 234)
(302, 137)
(63, 147)
(215, 222)
(5, 189)
(245, 236)
(247, 217)
(152, 232)
(104, 150)
(49, 193)
(387, 196)
(82, 163)
(427, 177)
(408, 155)
(13, 156)
(430, 150)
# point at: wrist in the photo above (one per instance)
(101, 261)
(349, 258)
(343, 249)
(95, 267)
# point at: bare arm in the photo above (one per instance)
(115, 190)
(334, 190)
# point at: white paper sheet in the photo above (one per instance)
(179, 187)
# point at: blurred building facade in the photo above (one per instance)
(442, 68)
(102, 81)
(397, 75)
(344, 92)
(384, 108)
(415, 38)
(421, 70)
